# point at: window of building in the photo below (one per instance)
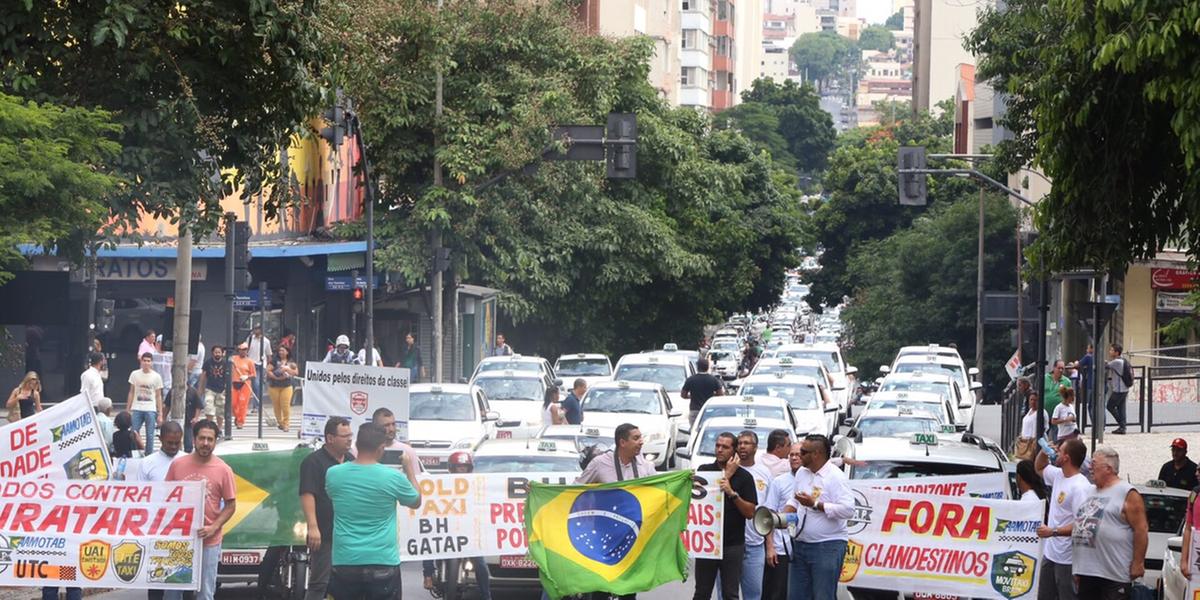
(723, 10)
(693, 77)
(689, 5)
(724, 45)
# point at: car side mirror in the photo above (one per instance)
(966, 403)
(976, 386)
(463, 380)
(972, 371)
(675, 413)
(491, 415)
(851, 370)
(1175, 544)
(683, 453)
(848, 422)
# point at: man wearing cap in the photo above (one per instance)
(243, 372)
(1180, 471)
(341, 352)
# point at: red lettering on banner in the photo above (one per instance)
(57, 519)
(176, 494)
(24, 464)
(923, 517)
(23, 520)
(181, 521)
(107, 522)
(81, 515)
(134, 519)
(23, 436)
(699, 542)
(701, 514)
(507, 512)
(510, 538)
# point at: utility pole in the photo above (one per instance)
(183, 309)
(979, 294)
(230, 272)
(437, 282)
(1020, 295)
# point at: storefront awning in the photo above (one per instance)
(346, 262)
(276, 249)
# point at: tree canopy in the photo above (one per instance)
(785, 119)
(876, 37)
(824, 56)
(895, 22)
(230, 79)
(1103, 100)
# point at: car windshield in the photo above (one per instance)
(933, 409)
(1164, 513)
(744, 411)
(929, 367)
(708, 440)
(438, 406)
(800, 397)
(915, 385)
(531, 463)
(668, 376)
(715, 356)
(646, 402)
(893, 426)
(897, 469)
(829, 359)
(511, 389)
(583, 367)
(510, 365)
(805, 370)
(727, 345)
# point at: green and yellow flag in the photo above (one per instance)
(620, 538)
(268, 500)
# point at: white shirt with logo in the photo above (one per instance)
(762, 478)
(1066, 495)
(145, 385)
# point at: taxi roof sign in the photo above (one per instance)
(747, 399)
(260, 447)
(924, 439)
(547, 446)
(785, 360)
(592, 431)
(623, 384)
(750, 423)
(670, 347)
(949, 429)
(436, 389)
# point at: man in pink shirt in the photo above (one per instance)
(220, 500)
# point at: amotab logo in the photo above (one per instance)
(358, 402)
(946, 519)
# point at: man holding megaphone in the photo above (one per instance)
(822, 502)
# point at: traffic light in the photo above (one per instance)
(241, 256)
(335, 132)
(105, 314)
(359, 294)
(621, 140)
(913, 189)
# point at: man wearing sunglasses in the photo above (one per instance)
(822, 497)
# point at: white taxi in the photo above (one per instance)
(901, 420)
(938, 383)
(746, 407)
(724, 362)
(830, 355)
(514, 362)
(592, 368)
(601, 438)
(444, 418)
(700, 449)
(937, 363)
(814, 407)
(646, 405)
(518, 397)
(668, 369)
(930, 403)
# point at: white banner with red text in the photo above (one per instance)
(961, 546)
(61, 442)
(992, 486)
(101, 534)
(484, 515)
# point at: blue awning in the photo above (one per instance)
(263, 250)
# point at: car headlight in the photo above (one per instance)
(463, 443)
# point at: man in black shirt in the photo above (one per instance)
(212, 385)
(318, 508)
(573, 405)
(700, 387)
(1180, 471)
(741, 498)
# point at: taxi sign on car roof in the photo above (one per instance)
(436, 389)
(750, 423)
(581, 355)
(652, 359)
(508, 372)
(592, 431)
(785, 360)
(623, 384)
(904, 410)
(670, 347)
(747, 399)
(547, 446)
(260, 447)
(924, 439)
(949, 429)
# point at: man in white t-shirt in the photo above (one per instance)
(145, 399)
(755, 558)
(154, 466)
(91, 382)
(1068, 490)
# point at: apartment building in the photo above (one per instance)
(939, 27)
(660, 20)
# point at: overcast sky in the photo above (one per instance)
(874, 11)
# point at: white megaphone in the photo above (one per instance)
(767, 520)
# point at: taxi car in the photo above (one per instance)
(922, 455)
(592, 368)
(517, 396)
(518, 571)
(929, 402)
(1165, 510)
(700, 448)
(514, 362)
(830, 354)
(444, 418)
(795, 366)
(901, 420)
(813, 405)
(668, 369)
(724, 362)
(937, 363)
(938, 383)
(601, 438)
(646, 405)
(746, 407)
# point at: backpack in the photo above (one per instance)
(1126, 373)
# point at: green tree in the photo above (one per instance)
(232, 79)
(55, 174)
(1102, 99)
(860, 195)
(787, 120)
(876, 37)
(895, 22)
(918, 284)
(824, 56)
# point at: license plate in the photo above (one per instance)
(240, 558)
(430, 461)
(927, 596)
(516, 561)
(503, 435)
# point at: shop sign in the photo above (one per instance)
(145, 269)
(345, 283)
(1173, 279)
(1174, 302)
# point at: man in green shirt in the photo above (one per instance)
(1054, 381)
(366, 553)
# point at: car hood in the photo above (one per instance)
(649, 424)
(526, 411)
(443, 431)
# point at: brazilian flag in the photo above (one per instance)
(620, 538)
(268, 509)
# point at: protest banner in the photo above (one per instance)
(1193, 584)
(960, 546)
(484, 515)
(981, 485)
(354, 392)
(61, 442)
(100, 533)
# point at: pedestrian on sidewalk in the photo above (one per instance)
(279, 386)
(1111, 533)
(1064, 416)
(149, 344)
(741, 498)
(1120, 376)
(1180, 471)
(318, 508)
(502, 348)
(341, 352)
(220, 501)
(260, 353)
(364, 493)
(25, 399)
(244, 372)
(145, 399)
(212, 385)
(410, 358)
(125, 439)
(1068, 489)
(91, 381)
(1052, 392)
(823, 498)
